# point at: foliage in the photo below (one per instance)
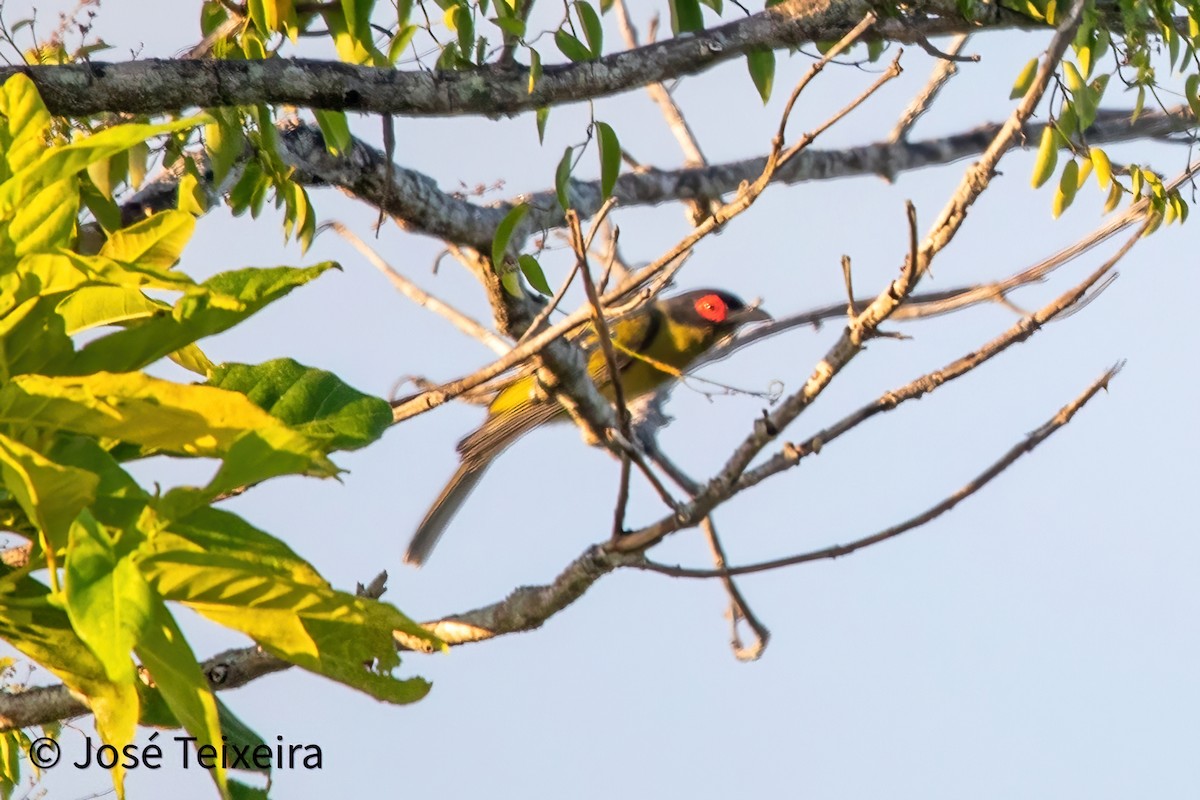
(76, 331)
(80, 324)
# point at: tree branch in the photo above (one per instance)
(160, 86)
(1030, 442)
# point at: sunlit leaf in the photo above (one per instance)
(1047, 157)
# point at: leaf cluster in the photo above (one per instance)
(106, 559)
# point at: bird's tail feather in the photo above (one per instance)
(443, 510)
(478, 449)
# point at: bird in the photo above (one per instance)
(652, 345)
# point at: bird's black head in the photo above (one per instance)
(712, 308)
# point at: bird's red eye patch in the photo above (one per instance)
(712, 308)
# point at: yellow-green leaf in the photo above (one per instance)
(106, 598)
(1024, 80)
(46, 221)
(1103, 167)
(1047, 157)
(165, 653)
(1068, 185)
(50, 494)
(156, 241)
(1192, 92)
(332, 633)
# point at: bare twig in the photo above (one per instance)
(428, 400)
(423, 298)
(974, 182)
(1030, 442)
(739, 610)
(942, 73)
(1026, 327)
(692, 154)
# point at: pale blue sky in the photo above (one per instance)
(1038, 642)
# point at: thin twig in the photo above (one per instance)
(604, 341)
(942, 73)
(1025, 328)
(739, 609)
(423, 298)
(545, 313)
(948, 57)
(1030, 442)
(975, 180)
(692, 154)
(426, 401)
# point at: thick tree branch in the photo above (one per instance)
(160, 86)
(416, 201)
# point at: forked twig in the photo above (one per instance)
(1030, 442)
(423, 298)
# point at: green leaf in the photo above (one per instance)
(400, 43)
(104, 209)
(513, 26)
(1047, 157)
(315, 402)
(63, 162)
(331, 633)
(152, 413)
(463, 24)
(593, 31)
(33, 338)
(1068, 185)
(46, 221)
(166, 655)
(610, 158)
(562, 180)
(217, 305)
(543, 114)
(504, 232)
(25, 120)
(225, 142)
(211, 530)
(1024, 80)
(1192, 92)
(686, 16)
(156, 241)
(532, 271)
(106, 598)
(571, 47)
(761, 64)
(535, 74)
(50, 494)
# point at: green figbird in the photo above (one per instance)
(653, 345)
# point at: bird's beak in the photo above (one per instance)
(749, 314)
